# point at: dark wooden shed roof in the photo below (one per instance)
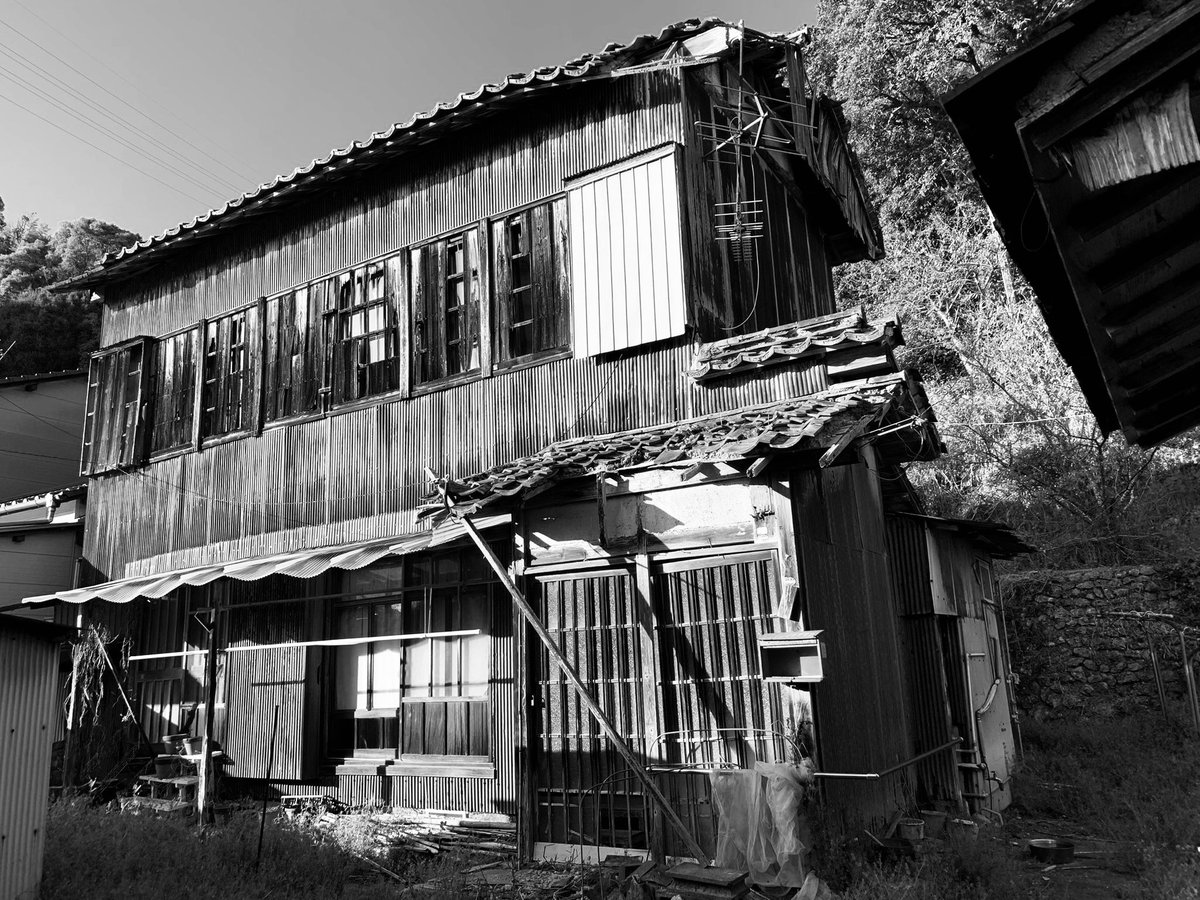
(1116, 266)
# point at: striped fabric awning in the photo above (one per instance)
(297, 564)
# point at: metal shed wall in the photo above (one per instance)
(28, 688)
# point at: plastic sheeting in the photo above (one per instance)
(760, 827)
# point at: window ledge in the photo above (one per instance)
(229, 437)
(528, 362)
(362, 767)
(441, 384)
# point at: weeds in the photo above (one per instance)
(99, 853)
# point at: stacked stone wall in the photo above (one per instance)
(1073, 659)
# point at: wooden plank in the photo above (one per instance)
(617, 334)
(458, 731)
(486, 298)
(502, 274)
(562, 257)
(252, 375)
(472, 295)
(673, 259)
(198, 394)
(545, 279)
(397, 292)
(412, 737)
(586, 699)
(435, 728)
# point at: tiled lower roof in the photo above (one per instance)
(784, 343)
(810, 422)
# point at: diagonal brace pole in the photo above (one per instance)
(585, 697)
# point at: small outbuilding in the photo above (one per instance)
(28, 692)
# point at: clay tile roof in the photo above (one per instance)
(810, 422)
(392, 141)
(784, 343)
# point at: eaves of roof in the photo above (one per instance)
(802, 423)
(360, 155)
(998, 539)
(38, 377)
(787, 343)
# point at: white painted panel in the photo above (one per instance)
(627, 257)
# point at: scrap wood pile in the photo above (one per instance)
(429, 831)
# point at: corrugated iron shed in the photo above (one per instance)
(28, 718)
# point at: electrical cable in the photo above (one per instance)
(98, 126)
(148, 118)
(131, 84)
(99, 149)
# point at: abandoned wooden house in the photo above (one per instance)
(596, 302)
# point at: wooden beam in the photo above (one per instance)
(618, 742)
(828, 457)
(204, 798)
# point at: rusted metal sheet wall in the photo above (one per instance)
(924, 666)
(28, 687)
(626, 258)
(500, 164)
(358, 474)
(860, 713)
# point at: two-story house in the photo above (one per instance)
(598, 299)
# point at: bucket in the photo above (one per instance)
(174, 740)
(194, 745)
(911, 829)
(166, 766)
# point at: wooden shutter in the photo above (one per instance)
(397, 289)
(172, 394)
(626, 257)
(114, 424)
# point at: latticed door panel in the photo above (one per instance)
(717, 710)
(584, 788)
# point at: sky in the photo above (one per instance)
(147, 114)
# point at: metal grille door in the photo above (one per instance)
(584, 789)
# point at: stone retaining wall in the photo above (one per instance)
(1073, 660)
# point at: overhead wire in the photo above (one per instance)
(95, 105)
(199, 167)
(100, 149)
(98, 126)
(131, 84)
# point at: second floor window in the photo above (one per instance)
(445, 331)
(365, 357)
(293, 352)
(173, 391)
(529, 256)
(225, 403)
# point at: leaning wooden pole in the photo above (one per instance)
(204, 796)
(585, 696)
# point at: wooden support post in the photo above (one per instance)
(71, 736)
(585, 697)
(204, 796)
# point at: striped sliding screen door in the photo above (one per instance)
(626, 256)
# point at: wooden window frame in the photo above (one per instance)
(183, 373)
(365, 324)
(117, 380)
(440, 357)
(229, 375)
(293, 358)
(425, 592)
(536, 271)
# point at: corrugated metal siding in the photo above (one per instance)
(860, 716)
(924, 667)
(501, 164)
(28, 688)
(358, 474)
(908, 555)
(626, 258)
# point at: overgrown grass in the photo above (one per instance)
(100, 853)
(1134, 781)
